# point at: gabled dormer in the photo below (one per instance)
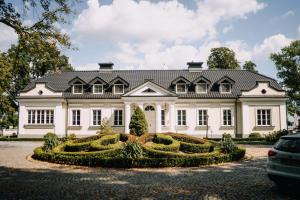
(77, 85)
(97, 85)
(225, 85)
(201, 85)
(118, 85)
(181, 85)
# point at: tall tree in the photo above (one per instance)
(251, 66)
(39, 47)
(287, 62)
(222, 58)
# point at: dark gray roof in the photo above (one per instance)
(243, 80)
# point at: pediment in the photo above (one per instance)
(149, 89)
(263, 89)
(40, 90)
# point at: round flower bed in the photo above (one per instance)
(122, 150)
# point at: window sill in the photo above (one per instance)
(226, 127)
(184, 127)
(94, 127)
(204, 127)
(74, 127)
(38, 126)
(262, 128)
(118, 126)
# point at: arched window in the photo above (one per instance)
(149, 108)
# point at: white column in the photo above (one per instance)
(23, 119)
(283, 117)
(127, 117)
(158, 118)
(246, 119)
(59, 120)
(172, 117)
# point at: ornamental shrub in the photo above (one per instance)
(227, 144)
(274, 136)
(132, 150)
(255, 135)
(105, 127)
(50, 141)
(138, 124)
(72, 136)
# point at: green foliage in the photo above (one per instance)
(106, 142)
(132, 150)
(138, 124)
(274, 136)
(105, 127)
(222, 58)
(71, 136)
(196, 148)
(288, 65)
(50, 141)
(255, 135)
(251, 66)
(227, 144)
(164, 143)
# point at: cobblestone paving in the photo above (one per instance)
(24, 179)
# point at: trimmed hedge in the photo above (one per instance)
(71, 146)
(186, 138)
(118, 162)
(164, 143)
(196, 148)
(107, 142)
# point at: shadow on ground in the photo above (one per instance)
(240, 180)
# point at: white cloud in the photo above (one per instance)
(166, 21)
(226, 29)
(8, 37)
(271, 44)
(287, 14)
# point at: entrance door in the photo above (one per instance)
(150, 117)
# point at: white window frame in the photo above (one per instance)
(94, 89)
(71, 117)
(185, 88)
(181, 117)
(222, 117)
(115, 89)
(73, 89)
(225, 92)
(46, 116)
(256, 115)
(122, 121)
(203, 119)
(92, 116)
(197, 88)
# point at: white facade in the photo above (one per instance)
(254, 111)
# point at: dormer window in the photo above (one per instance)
(77, 89)
(201, 87)
(118, 88)
(180, 88)
(98, 88)
(225, 88)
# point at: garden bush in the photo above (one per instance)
(274, 136)
(196, 148)
(73, 146)
(105, 127)
(227, 145)
(106, 142)
(255, 135)
(132, 150)
(50, 141)
(164, 143)
(138, 124)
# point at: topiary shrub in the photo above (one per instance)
(227, 145)
(50, 141)
(132, 150)
(255, 135)
(138, 124)
(164, 142)
(71, 136)
(105, 127)
(274, 136)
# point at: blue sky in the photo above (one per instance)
(167, 34)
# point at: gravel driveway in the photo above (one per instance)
(24, 179)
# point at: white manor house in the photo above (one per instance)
(194, 101)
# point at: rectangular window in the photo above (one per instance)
(118, 88)
(118, 117)
(96, 117)
(202, 117)
(225, 88)
(40, 116)
(227, 117)
(97, 88)
(163, 121)
(201, 88)
(263, 117)
(76, 117)
(181, 88)
(77, 89)
(181, 117)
